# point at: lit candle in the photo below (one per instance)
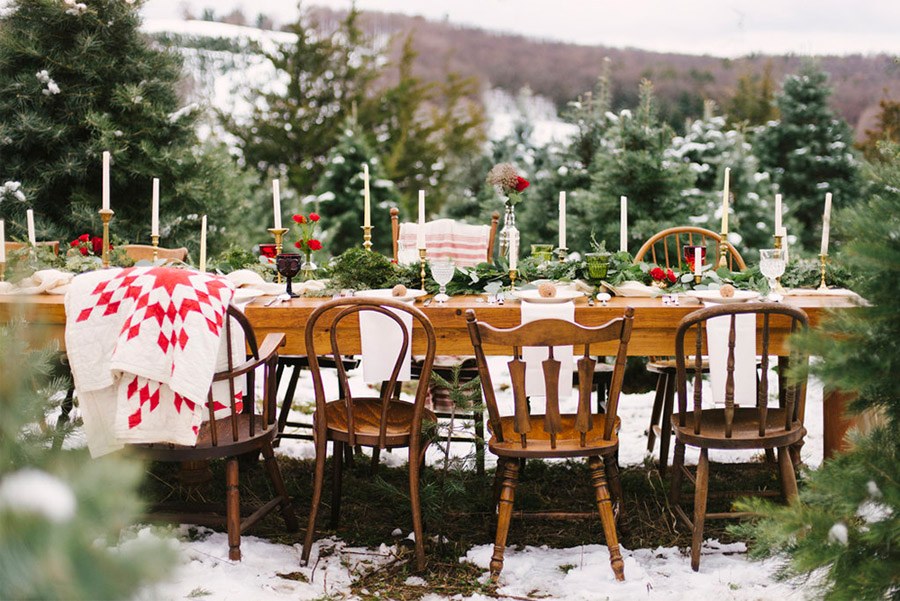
(367, 207)
(276, 200)
(826, 223)
(697, 261)
(420, 231)
(154, 209)
(514, 250)
(2, 241)
(29, 219)
(777, 214)
(725, 202)
(105, 197)
(623, 225)
(562, 220)
(203, 244)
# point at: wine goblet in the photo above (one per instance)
(442, 271)
(771, 265)
(288, 265)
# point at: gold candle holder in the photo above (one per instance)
(563, 253)
(367, 237)
(279, 233)
(823, 259)
(697, 278)
(2, 271)
(723, 251)
(155, 241)
(422, 266)
(513, 274)
(105, 216)
(779, 289)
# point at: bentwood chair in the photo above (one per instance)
(144, 252)
(665, 248)
(382, 422)
(241, 432)
(53, 244)
(732, 427)
(553, 435)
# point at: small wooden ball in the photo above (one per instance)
(547, 290)
(727, 291)
(399, 290)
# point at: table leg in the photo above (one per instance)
(836, 421)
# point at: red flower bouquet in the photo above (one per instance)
(507, 181)
(307, 242)
(88, 246)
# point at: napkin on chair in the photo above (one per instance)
(534, 374)
(380, 339)
(717, 330)
(465, 243)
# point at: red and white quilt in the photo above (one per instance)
(143, 344)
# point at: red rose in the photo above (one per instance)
(267, 250)
(84, 237)
(74, 243)
(83, 251)
(97, 245)
(658, 274)
(314, 244)
(313, 216)
(299, 243)
(299, 219)
(670, 275)
(521, 183)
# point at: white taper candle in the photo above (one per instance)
(2, 241)
(276, 201)
(826, 223)
(623, 224)
(105, 197)
(154, 209)
(698, 261)
(203, 244)
(29, 220)
(725, 201)
(367, 207)
(777, 214)
(784, 242)
(562, 220)
(420, 231)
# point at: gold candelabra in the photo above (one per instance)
(563, 253)
(279, 233)
(155, 241)
(105, 216)
(823, 259)
(422, 266)
(513, 274)
(367, 236)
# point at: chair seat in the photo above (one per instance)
(366, 420)
(568, 443)
(745, 430)
(205, 450)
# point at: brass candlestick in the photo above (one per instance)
(279, 233)
(422, 266)
(723, 251)
(697, 278)
(105, 216)
(2, 271)
(155, 241)
(367, 236)
(513, 273)
(778, 287)
(563, 253)
(823, 259)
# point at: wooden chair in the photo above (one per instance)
(732, 427)
(144, 252)
(583, 434)
(240, 433)
(665, 248)
(378, 422)
(53, 244)
(395, 233)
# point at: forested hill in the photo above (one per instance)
(563, 71)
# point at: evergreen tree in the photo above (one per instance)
(808, 152)
(888, 129)
(339, 194)
(753, 102)
(77, 79)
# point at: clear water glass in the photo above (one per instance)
(771, 265)
(442, 271)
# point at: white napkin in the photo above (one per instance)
(744, 358)
(633, 289)
(465, 243)
(380, 339)
(45, 281)
(534, 374)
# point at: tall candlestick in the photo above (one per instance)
(203, 244)
(420, 231)
(698, 261)
(276, 201)
(826, 224)
(725, 201)
(154, 209)
(513, 250)
(562, 220)
(105, 216)
(105, 197)
(623, 224)
(29, 220)
(367, 207)
(777, 214)
(2, 241)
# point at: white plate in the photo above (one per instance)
(713, 296)
(389, 293)
(533, 296)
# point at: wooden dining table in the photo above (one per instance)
(653, 333)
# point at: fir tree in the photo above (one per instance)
(887, 129)
(808, 152)
(77, 79)
(753, 102)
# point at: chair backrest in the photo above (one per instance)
(465, 258)
(144, 252)
(665, 247)
(53, 244)
(690, 346)
(549, 333)
(335, 314)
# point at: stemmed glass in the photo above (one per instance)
(771, 265)
(288, 265)
(442, 271)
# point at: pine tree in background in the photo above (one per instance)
(77, 79)
(753, 102)
(888, 129)
(845, 533)
(808, 152)
(59, 509)
(339, 194)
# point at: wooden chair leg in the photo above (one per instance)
(658, 401)
(788, 477)
(665, 432)
(287, 508)
(318, 481)
(376, 457)
(504, 514)
(337, 472)
(416, 502)
(677, 474)
(478, 416)
(233, 509)
(288, 400)
(604, 506)
(700, 494)
(615, 485)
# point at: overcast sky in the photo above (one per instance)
(717, 27)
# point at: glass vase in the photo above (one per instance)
(308, 268)
(509, 232)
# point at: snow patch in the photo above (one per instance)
(37, 492)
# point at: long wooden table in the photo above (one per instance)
(653, 333)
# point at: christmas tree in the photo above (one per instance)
(77, 79)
